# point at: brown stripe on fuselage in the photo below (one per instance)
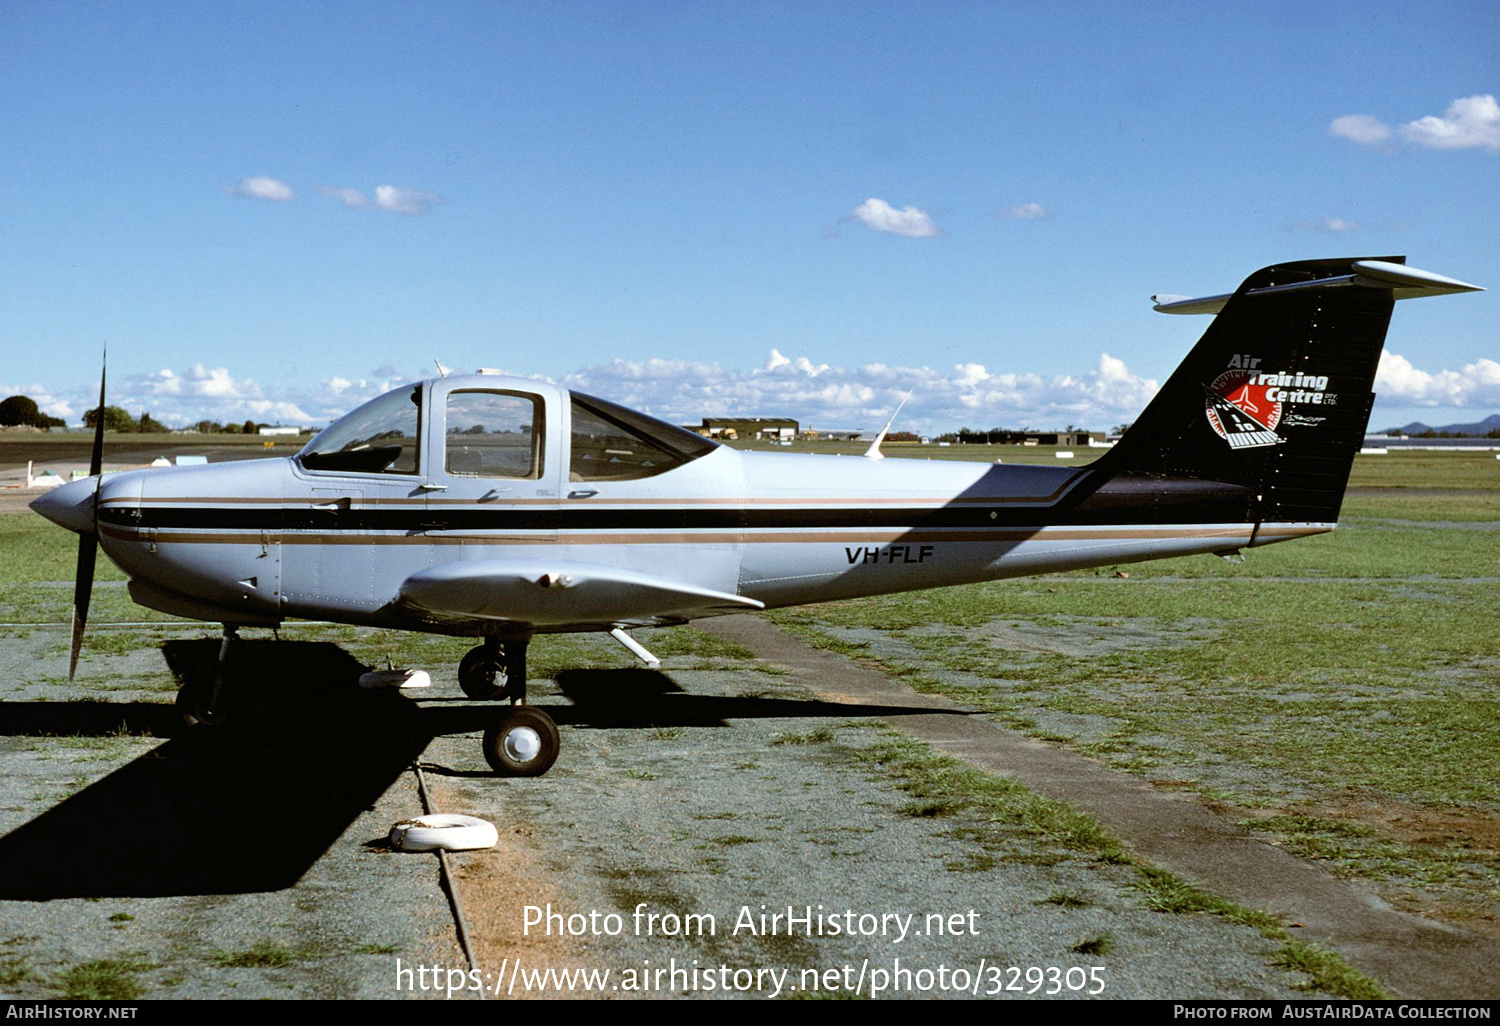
(1289, 531)
(416, 502)
(749, 537)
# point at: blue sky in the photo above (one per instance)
(276, 210)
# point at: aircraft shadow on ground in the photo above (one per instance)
(250, 806)
(245, 807)
(650, 698)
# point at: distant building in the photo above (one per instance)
(777, 429)
(1000, 436)
(280, 431)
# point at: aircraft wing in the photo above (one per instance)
(546, 593)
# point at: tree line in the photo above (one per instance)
(22, 410)
(1009, 436)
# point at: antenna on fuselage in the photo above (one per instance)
(873, 452)
(442, 371)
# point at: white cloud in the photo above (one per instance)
(1336, 225)
(1365, 129)
(881, 216)
(69, 406)
(1397, 381)
(182, 397)
(1470, 123)
(199, 381)
(1342, 225)
(863, 397)
(387, 197)
(203, 393)
(1025, 212)
(405, 201)
(684, 391)
(351, 198)
(264, 188)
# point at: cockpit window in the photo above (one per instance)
(379, 437)
(494, 434)
(611, 443)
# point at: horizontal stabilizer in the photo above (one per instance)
(1403, 283)
(544, 593)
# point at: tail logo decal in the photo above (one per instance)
(1245, 405)
(1242, 411)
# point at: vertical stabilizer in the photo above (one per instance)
(1276, 395)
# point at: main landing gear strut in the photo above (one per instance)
(522, 741)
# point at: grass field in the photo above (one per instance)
(1340, 694)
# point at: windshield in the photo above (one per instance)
(378, 437)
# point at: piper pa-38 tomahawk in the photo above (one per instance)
(501, 508)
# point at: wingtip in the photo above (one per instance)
(1410, 282)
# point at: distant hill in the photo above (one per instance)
(1476, 430)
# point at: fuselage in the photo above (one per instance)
(259, 541)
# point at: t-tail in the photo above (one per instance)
(1265, 416)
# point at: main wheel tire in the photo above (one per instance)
(523, 742)
(474, 674)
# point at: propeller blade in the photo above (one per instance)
(88, 541)
(96, 457)
(83, 584)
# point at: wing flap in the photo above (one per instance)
(545, 593)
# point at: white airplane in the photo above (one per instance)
(501, 508)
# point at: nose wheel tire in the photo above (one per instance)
(481, 674)
(195, 709)
(523, 742)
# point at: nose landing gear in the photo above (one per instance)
(522, 741)
(483, 673)
(202, 705)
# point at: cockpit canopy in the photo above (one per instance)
(492, 430)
